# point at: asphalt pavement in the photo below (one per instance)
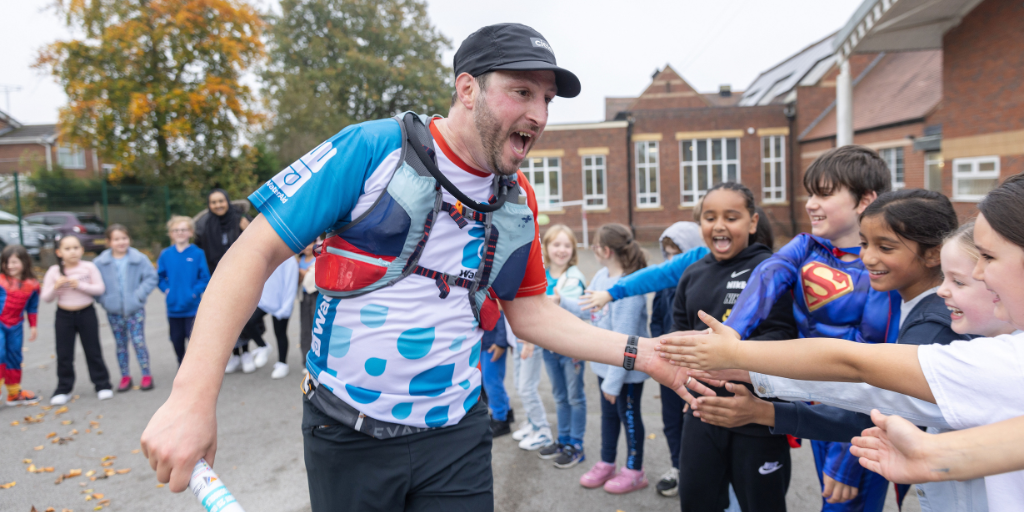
(259, 454)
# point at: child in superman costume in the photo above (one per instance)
(832, 294)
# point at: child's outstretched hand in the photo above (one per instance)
(896, 449)
(714, 350)
(593, 301)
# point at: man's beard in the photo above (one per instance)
(493, 140)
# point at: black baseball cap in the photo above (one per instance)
(512, 46)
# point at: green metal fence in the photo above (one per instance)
(143, 209)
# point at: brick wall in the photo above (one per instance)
(24, 158)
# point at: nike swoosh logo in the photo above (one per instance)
(737, 274)
(769, 467)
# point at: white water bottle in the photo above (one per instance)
(210, 490)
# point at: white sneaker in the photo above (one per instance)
(248, 366)
(537, 440)
(59, 399)
(525, 429)
(280, 371)
(105, 394)
(233, 363)
(261, 355)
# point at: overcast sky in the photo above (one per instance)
(613, 46)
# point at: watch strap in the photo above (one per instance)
(629, 357)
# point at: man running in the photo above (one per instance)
(429, 224)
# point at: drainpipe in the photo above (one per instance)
(792, 148)
(49, 156)
(844, 105)
(630, 173)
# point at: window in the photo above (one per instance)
(894, 159)
(933, 171)
(545, 174)
(706, 163)
(594, 195)
(773, 164)
(974, 177)
(70, 157)
(648, 181)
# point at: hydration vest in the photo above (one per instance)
(383, 245)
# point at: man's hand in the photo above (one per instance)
(897, 450)
(837, 492)
(496, 352)
(180, 433)
(715, 351)
(593, 301)
(734, 411)
(32, 333)
(527, 351)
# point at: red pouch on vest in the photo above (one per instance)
(489, 314)
(340, 268)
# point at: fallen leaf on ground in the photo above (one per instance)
(108, 457)
(15, 423)
(64, 440)
(74, 472)
(97, 496)
(74, 431)
(105, 502)
(26, 461)
(91, 472)
(8, 485)
(66, 422)
(63, 409)
(107, 464)
(98, 507)
(50, 509)
(37, 448)
(88, 497)
(31, 468)
(87, 431)
(109, 472)
(135, 450)
(99, 431)
(46, 407)
(651, 436)
(159, 485)
(123, 471)
(94, 423)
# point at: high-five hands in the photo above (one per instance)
(714, 349)
(594, 301)
(895, 449)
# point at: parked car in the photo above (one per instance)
(88, 228)
(35, 237)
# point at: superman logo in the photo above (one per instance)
(823, 284)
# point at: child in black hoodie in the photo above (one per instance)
(756, 462)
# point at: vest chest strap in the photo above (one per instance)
(443, 280)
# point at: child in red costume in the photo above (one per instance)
(19, 295)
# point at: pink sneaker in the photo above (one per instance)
(126, 384)
(598, 475)
(147, 383)
(628, 480)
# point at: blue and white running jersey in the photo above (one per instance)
(400, 354)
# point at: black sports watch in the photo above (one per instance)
(629, 358)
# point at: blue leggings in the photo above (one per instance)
(625, 412)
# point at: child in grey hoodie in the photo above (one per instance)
(621, 390)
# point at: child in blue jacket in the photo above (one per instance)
(183, 276)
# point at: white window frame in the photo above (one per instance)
(933, 160)
(70, 157)
(546, 167)
(648, 198)
(598, 164)
(776, 182)
(692, 167)
(973, 174)
(896, 165)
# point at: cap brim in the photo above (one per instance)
(567, 83)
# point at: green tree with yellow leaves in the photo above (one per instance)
(156, 87)
(338, 62)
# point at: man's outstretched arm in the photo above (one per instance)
(184, 429)
(539, 321)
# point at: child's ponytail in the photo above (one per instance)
(627, 251)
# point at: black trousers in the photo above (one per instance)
(281, 332)
(757, 466)
(181, 328)
(307, 309)
(83, 323)
(443, 470)
(672, 417)
(252, 331)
